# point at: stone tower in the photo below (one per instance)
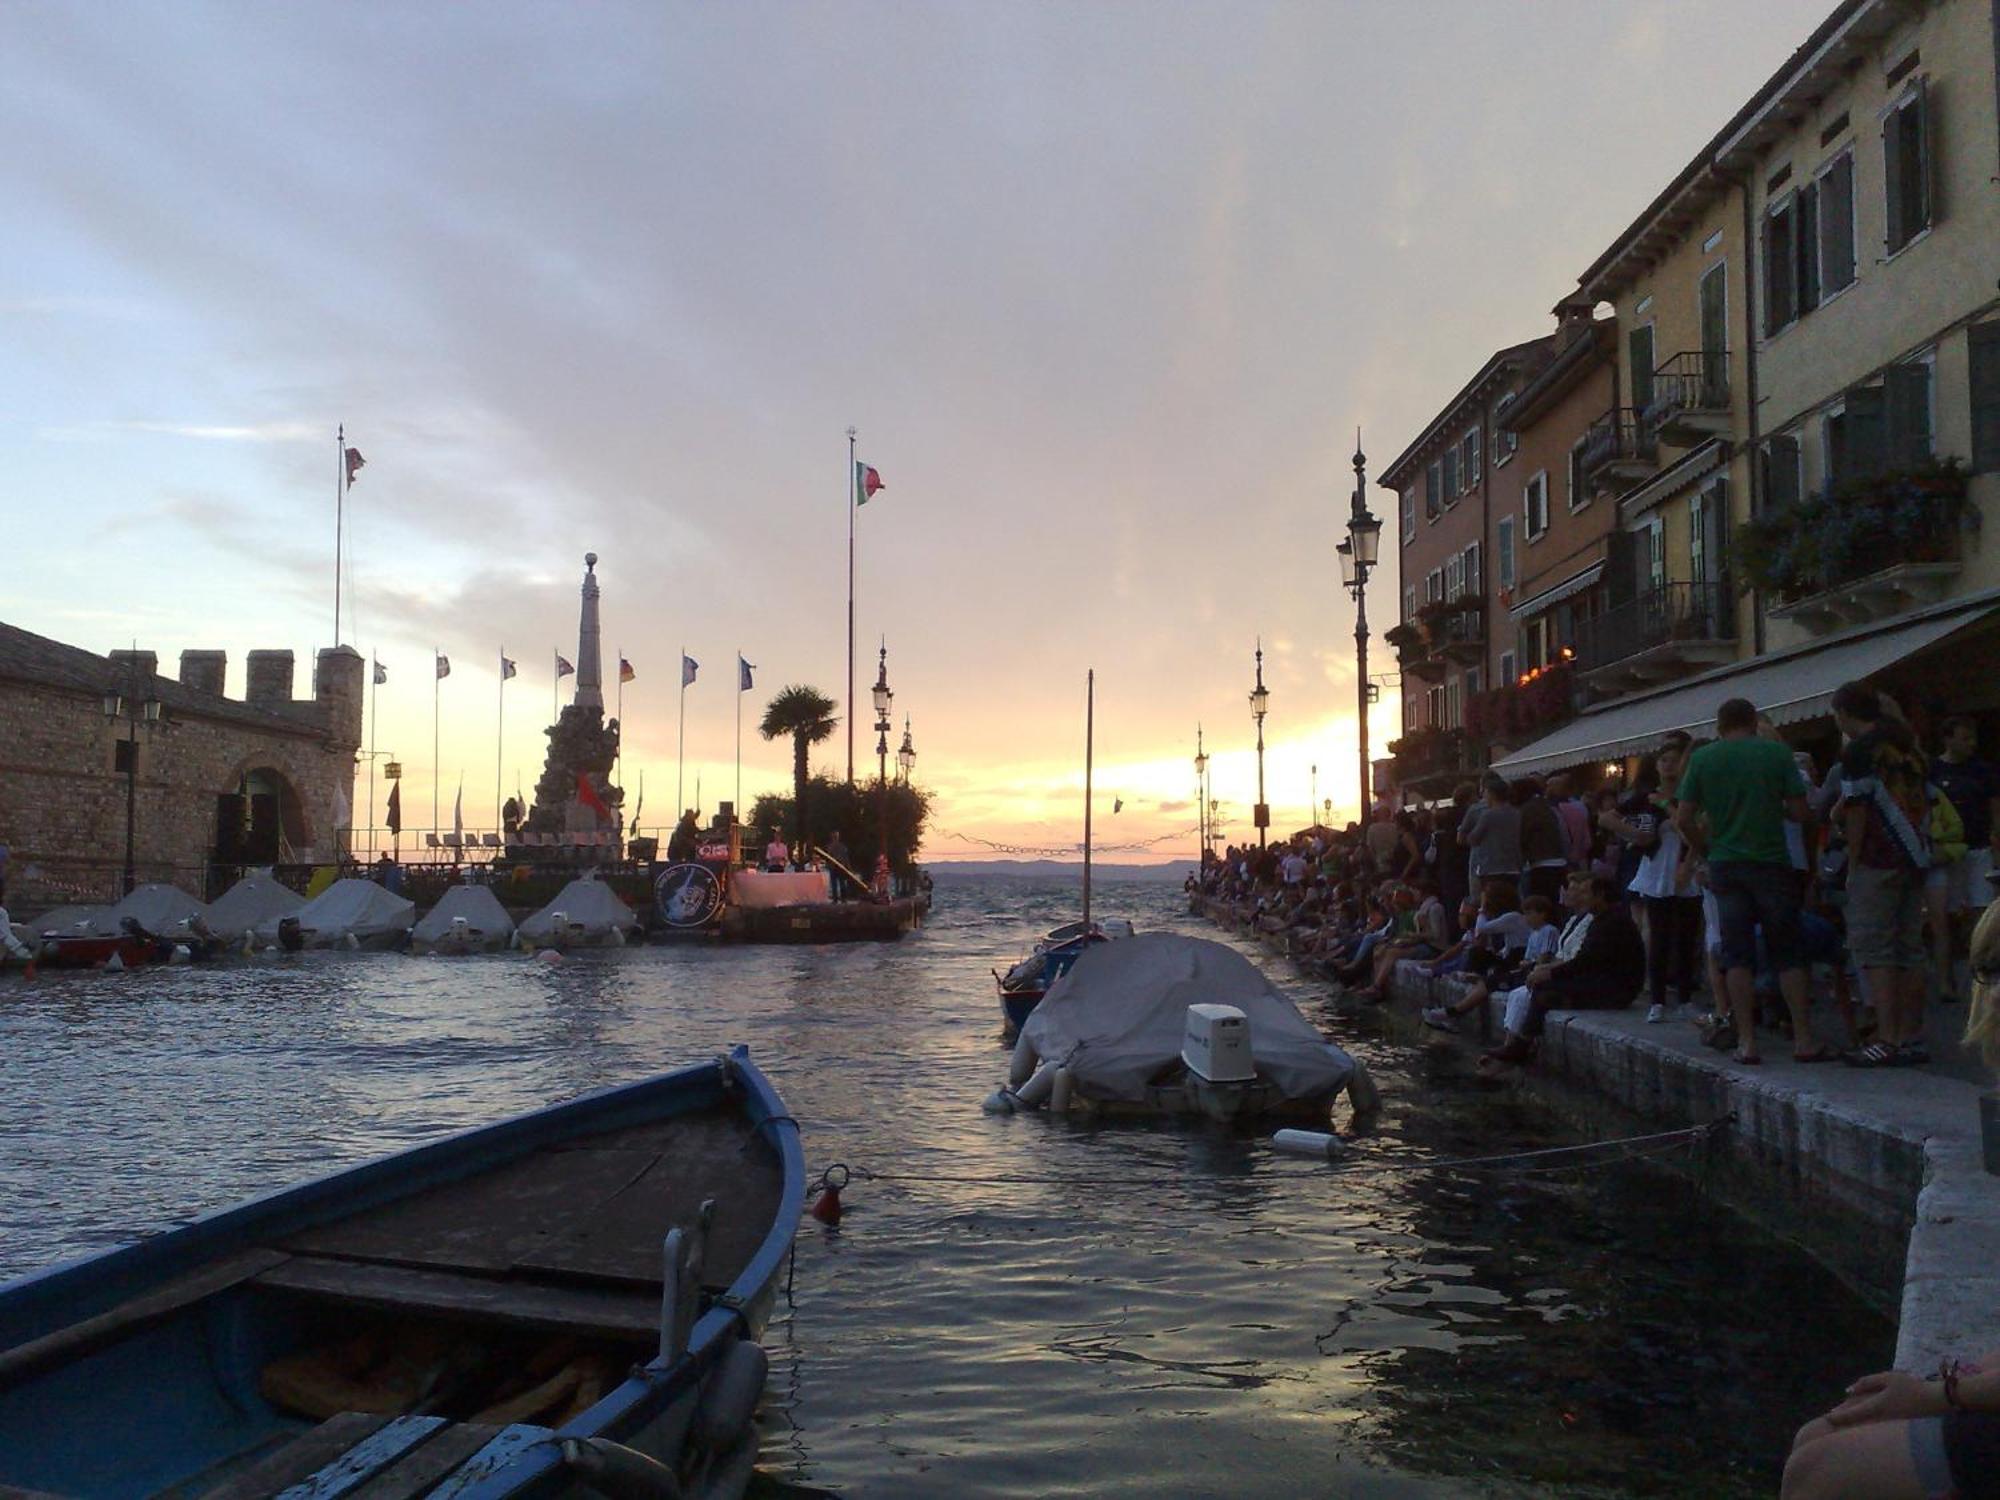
(589, 661)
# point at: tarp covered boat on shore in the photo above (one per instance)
(467, 919)
(584, 914)
(255, 899)
(350, 913)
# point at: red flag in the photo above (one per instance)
(354, 463)
(587, 794)
(866, 482)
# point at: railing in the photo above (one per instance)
(1464, 626)
(1621, 435)
(1671, 612)
(1694, 381)
(1427, 752)
(1852, 541)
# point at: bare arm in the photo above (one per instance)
(1693, 832)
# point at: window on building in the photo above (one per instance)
(1534, 643)
(1656, 554)
(1784, 483)
(1983, 348)
(1433, 586)
(1535, 504)
(1451, 482)
(1434, 706)
(1708, 532)
(1781, 258)
(1409, 601)
(1473, 686)
(1907, 167)
(125, 757)
(1906, 411)
(1409, 515)
(1639, 346)
(1507, 672)
(1454, 575)
(1454, 705)
(1471, 569)
(1579, 493)
(1434, 490)
(1836, 224)
(1505, 439)
(1503, 551)
(1470, 460)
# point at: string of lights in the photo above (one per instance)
(1064, 851)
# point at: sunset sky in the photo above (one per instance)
(1107, 289)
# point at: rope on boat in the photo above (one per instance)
(1584, 1154)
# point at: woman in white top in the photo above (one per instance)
(1666, 889)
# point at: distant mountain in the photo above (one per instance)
(1060, 869)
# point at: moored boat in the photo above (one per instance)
(468, 919)
(565, 1298)
(1023, 986)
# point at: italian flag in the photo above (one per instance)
(866, 483)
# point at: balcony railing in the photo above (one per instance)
(1673, 612)
(1620, 439)
(1690, 396)
(1429, 752)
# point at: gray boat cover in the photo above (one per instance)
(1116, 1019)
(66, 920)
(361, 907)
(591, 909)
(157, 907)
(253, 900)
(481, 909)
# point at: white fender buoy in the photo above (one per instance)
(249, 944)
(1035, 1092)
(350, 942)
(271, 951)
(115, 964)
(1022, 1067)
(1363, 1096)
(617, 937)
(1310, 1143)
(1061, 1092)
(181, 954)
(729, 1395)
(548, 956)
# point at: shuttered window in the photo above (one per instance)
(1503, 550)
(1472, 458)
(1451, 485)
(1781, 474)
(1434, 490)
(1639, 343)
(1907, 132)
(1983, 341)
(1535, 505)
(1836, 224)
(1906, 411)
(1781, 296)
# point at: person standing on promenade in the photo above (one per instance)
(1885, 813)
(1491, 832)
(1957, 891)
(1574, 815)
(1453, 878)
(777, 853)
(1736, 795)
(1664, 884)
(1544, 845)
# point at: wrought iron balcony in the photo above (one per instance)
(1618, 449)
(1690, 397)
(1664, 632)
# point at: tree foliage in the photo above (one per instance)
(855, 810)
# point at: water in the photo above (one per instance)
(1202, 1317)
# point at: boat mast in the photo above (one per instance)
(1089, 732)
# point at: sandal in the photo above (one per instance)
(1825, 1052)
(1874, 1055)
(1721, 1035)
(1752, 1061)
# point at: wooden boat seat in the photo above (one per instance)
(359, 1457)
(533, 1306)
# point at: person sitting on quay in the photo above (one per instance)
(1539, 913)
(11, 946)
(1422, 941)
(1495, 927)
(1605, 972)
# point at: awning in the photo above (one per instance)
(1569, 588)
(1791, 688)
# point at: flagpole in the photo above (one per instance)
(500, 746)
(851, 472)
(437, 770)
(738, 803)
(339, 517)
(680, 775)
(374, 694)
(555, 685)
(618, 761)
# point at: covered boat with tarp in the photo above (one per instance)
(152, 923)
(468, 919)
(255, 899)
(584, 914)
(1022, 987)
(1165, 1024)
(351, 913)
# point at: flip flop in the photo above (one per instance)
(1874, 1055)
(1822, 1053)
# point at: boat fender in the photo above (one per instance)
(548, 956)
(1310, 1143)
(249, 944)
(729, 1395)
(826, 1207)
(618, 1472)
(1022, 1068)
(1363, 1096)
(617, 937)
(1035, 1092)
(1000, 1102)
(115, 964)
(350, 942)
(182, 954)
(1061, 1092)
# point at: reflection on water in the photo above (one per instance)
(1128, 1310)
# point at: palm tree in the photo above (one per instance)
(806, 714)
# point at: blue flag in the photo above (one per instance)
(743, 671)
(689, 666)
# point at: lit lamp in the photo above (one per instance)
(1260, 704)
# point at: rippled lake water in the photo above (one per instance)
(1198, 1317)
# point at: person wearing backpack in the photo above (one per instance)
(1957, 891)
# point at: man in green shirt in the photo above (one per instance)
(1736, 796)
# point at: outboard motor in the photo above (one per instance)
(291, 937)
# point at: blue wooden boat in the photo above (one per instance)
(566, 1302)
(1022, 987)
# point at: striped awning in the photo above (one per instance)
(1792, 688)
(1569, 588)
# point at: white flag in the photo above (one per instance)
(506, 668)
(458, 814)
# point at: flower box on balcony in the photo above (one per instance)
(1914, 516)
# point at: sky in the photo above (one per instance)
(1106, 289)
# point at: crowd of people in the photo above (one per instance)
(1735, 883)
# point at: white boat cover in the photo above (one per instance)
(483, 915)
(157, 907)
(253, 900)
(591, 909)
(66, 920)
(1116, 1020)
(361, 907)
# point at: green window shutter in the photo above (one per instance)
(1867, 435)
(1983, 346)
(1806, 233)
(1906, 394)
(1896, 233)
(1929, 179)
(1781, 474)
(1836, 225)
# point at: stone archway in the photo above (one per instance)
(263, 820)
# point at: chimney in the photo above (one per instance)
(1574, 320)
(267, 679)
(204, 671)
(148, 662)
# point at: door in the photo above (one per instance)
(1715, 336)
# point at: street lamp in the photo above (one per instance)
(1312, 807)
(1357, 560)
(1260, 703)
(907, 756)
(1201, 792)
(134, 711)
(884, 699)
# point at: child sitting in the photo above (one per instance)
(1539, 915)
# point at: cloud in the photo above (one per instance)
(254, 432)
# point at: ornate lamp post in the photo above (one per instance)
(907, 756)
(1260, 703)
(1201, 792)
(884, 699)
(134, 711)
(1357, 560)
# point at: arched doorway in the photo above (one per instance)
(262, 822)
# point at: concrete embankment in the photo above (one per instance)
(1878, 1172)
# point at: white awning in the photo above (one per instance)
(1791, 688)
(1569, 588)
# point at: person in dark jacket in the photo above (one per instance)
(1453, 878)
(1605, 973)
(1544, 844)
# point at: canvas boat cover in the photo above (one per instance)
(481, 909)
(157, 907)
(353, 905)
(1117, 1018)
(66, 921)
(589, 905)
(248, 904)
